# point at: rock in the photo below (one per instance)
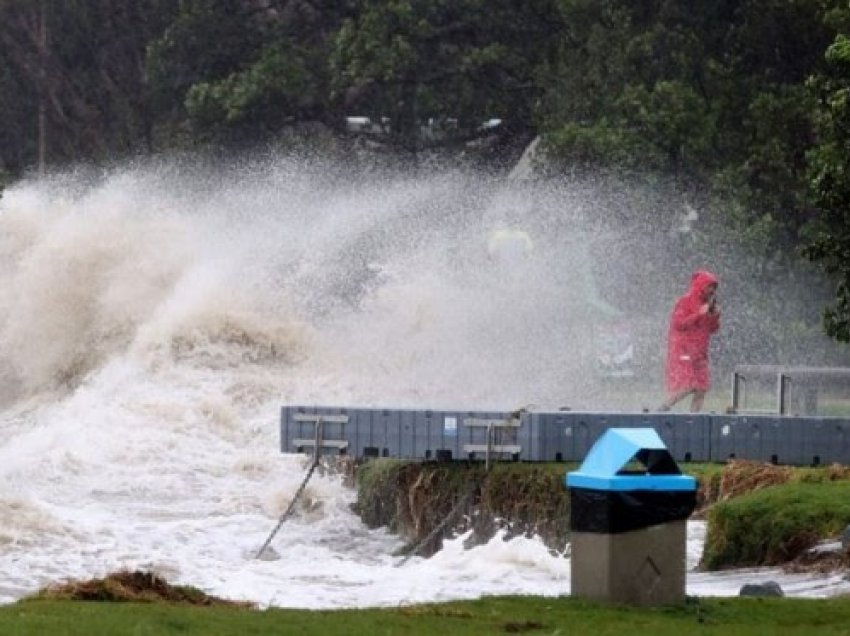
(845, 538)
(768, 588)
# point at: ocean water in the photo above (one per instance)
(153, 319)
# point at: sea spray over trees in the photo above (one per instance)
(378, 286)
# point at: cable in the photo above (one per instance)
(289, 508)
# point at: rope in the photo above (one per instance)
(290, 507)
(462, 502)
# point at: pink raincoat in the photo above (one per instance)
(688, 338)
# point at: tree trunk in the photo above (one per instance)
(42, 87)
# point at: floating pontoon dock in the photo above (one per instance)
(539, 436)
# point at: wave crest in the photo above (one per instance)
(224, 340)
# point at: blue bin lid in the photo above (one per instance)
(616, 448)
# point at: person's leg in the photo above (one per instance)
(675, 398)
(696, 402)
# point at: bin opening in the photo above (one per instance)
(658, 461)
(650, 462)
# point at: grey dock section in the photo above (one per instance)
(538, 436)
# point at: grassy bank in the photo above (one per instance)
(412, 498)
(775, 525)
(503, 615)
(792, 508)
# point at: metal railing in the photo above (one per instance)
(810, 380)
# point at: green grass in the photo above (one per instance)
(502, 615)
(773, 525)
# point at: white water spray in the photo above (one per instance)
(153, 321)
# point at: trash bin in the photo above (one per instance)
(629, 503)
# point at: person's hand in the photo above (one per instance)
(712, 304)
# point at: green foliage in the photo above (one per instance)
(774, 525)
(17, 125)
(624, 68)
(829, 239)
(585, 146)
(377, 489)
(652, 129)
(80, 64)
(762, 527)
(715, 96)
(208, 40)
(275, 89)
(452, 63)
(238, 73)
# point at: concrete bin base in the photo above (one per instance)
(641, 567)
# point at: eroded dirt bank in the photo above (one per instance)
(427, 501)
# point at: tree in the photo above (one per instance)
(17, 126)
(238, 71)
(443, 66)
(715, 97)
(629, 88)
(829, 242)
(207, 41)
(78, 66)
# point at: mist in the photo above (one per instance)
(369, 288)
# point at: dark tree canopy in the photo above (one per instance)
(82, 64)
(740, 104)
(450, 65)
(830, 174)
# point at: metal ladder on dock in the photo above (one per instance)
(319, 442)
(489, 447)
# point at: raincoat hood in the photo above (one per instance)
(699, 281)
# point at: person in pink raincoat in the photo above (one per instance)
(695, 317)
